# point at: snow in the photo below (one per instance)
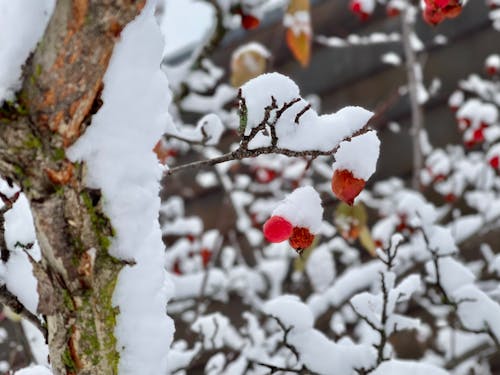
(22, 23)
(291, 312)
(184, 24)
(346, 285)
(38, 347)
(398, 367)
(17, 273)
(391, 58)
(475, 309)
(189, 286)
(208, 130)
(251, 47)
(493, 61)
(316, 351)
(297, 127)
(34, 370)
(302, 208)
(117, 149)
(358, 155)
(320, 268)
(354, 39)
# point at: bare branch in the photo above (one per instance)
(412, 65)
(242, 153)
(10, 300)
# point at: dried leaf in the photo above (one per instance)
(365, 237)
(300, 45)
(298, 34)
(248, 62)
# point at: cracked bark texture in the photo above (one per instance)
(62, 81)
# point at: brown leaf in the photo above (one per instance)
(300, 45)
(248, 62)
(298, 34)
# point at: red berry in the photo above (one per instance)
(357, 8)
(177, 268)
(432, 16)
(345, 186)
(495, 162)
(301, 239)
(491, 70)
(249, 22)
(392, 11)
(265, 175)
(450, 197)
(478, 136)
(463, 123)
(206, 254)
(277, 229)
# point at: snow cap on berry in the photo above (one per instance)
(302, 208)
(358, 155)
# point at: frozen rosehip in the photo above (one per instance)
(491, 70)
(357, 8)
(495, 162)
(265, 175)
(392, 11)
(433, 16)
(301, 239)
(277, 229)
(206, 255)
(345, 186)
(450, 197)
(453, 9)
(478, 136)
(249, 22)
(463, 123)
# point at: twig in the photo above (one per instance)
(179, 138)
(10, 300)
(417, 117)
(304, 370)
(204, 283)
(242, 153)
(208, 49)
(455, 361)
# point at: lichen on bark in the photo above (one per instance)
(61, 88)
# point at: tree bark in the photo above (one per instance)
(62, 81)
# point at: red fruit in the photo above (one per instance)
(392, 11)
(432, 16)
(265, 175)
(464, 123)
(437, 10)
(177, 268)
(357, 8)
(453, 10)
(491, 70)
(301, 239)
(277, 229)
(450, 197)
(206, 254)
(478, 136)
(469, 144)
(249, 22)
(345, 186)
(495, 162)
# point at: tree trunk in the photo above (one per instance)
(61, 88)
